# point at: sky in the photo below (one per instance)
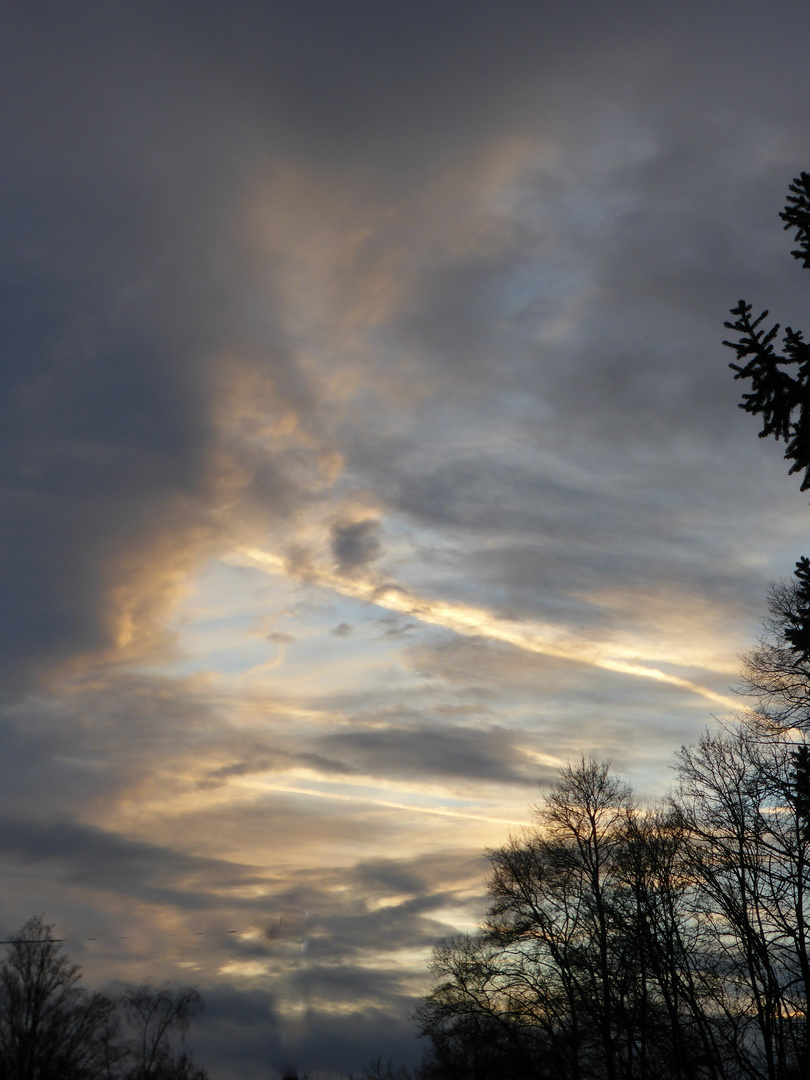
(368, 450)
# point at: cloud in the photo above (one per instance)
(625, 657)
(132, 300)
(277, 760)
(355, 544)
(131, 868)
(424, 751)
(149, 355)
(241, 1031)
(418, 875)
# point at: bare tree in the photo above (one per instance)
(600, 956)
(776, 676)
(586, 813)
(748, 856)
(53, 1029)
(50, 1027)
(673, 1001)
(473, 1017)
(155, 1014)
(588, 964)
(383, 1070)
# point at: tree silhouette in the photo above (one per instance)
(53, 1029)
(50, 1027)
(590, 963)
(155, 1013)
(630, 943)
(781, 398)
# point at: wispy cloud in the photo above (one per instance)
(468, 621)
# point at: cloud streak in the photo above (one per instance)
(542, 639)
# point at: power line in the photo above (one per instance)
(119, 937)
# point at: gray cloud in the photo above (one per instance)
(240, 1034)
(429, 750)
(151, 872)
(264, 759)
(418, 875)
(122, 280)
(355, 543)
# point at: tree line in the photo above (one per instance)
(52, 1028)
(629, 942)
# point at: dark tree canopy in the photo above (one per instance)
(781, 398)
